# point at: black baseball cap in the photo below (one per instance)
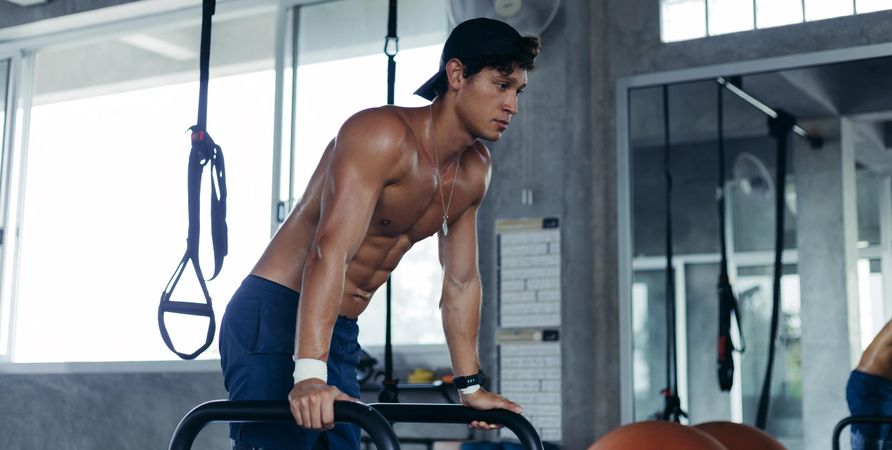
(475, 37)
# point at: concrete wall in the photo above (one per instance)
(98, 410)
(548, 150)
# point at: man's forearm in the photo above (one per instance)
(321, 292)
(460, 310)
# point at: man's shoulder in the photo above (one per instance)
(481, 151)
(477, 156)
(382, 129)
(383, 120)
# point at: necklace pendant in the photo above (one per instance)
(445, 227)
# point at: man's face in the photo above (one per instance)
(488, 100)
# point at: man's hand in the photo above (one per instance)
(488, 400)
(312, 403)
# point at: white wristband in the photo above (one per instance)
(305, 368)
(469, 390)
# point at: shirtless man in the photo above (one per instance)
(392, 177)
(869, 392)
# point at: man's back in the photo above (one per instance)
(877, 357)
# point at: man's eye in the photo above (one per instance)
(519, 92)
(502, 86)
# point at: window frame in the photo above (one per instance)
(756, 26)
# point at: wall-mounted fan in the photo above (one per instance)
(753, 179)
(528, 17)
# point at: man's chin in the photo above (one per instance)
(493, 137)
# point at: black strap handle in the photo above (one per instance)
(727, 301)
(779, 128)
(671, 402)
(278, 411)
(204, 152)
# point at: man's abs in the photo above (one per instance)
(285, 256)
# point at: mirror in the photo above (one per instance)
(837, 214)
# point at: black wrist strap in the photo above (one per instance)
(468, 381)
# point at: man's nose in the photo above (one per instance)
(511, 105)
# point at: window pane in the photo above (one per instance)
(728, 16)
(772, 13)
(4, 301)
(754, 289)
(867, 187)
(825, 9)
(105, 190)
(648, 341)
(871, 304)
(866, 6)
(683, 19)
(327, 72)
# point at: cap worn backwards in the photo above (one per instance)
(475, 37)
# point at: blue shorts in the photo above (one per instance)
(256, 348)
(869, 395)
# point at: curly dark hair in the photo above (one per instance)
(505, 64)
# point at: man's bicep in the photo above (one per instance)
(354, 182)
(348, 202)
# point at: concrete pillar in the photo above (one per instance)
(826, 238)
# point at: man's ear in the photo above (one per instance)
(455, 71)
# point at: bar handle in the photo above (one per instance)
(278, 411)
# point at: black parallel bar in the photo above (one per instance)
(837, 430)
(442, 413)
(278, 411)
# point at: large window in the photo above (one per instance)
(98, 186)
(104, 188)
(691, 19)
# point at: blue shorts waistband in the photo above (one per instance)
(284, 293)
(261, 284)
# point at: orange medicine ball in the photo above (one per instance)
(656, 435)
(738, 436)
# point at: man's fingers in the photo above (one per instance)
(344, 397)
(295, 411)
(328, 415)
(306, 417)
(481, 425)
(316, 404)
(511, 406)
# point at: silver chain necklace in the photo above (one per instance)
(443, 201)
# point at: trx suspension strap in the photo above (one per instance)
(672, 404)
(204, 151)
(389, 386)
(727, 302)
(779, 128)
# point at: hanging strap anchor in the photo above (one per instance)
(390, 385)
(204, 152)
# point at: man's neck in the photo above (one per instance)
(452, 138)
